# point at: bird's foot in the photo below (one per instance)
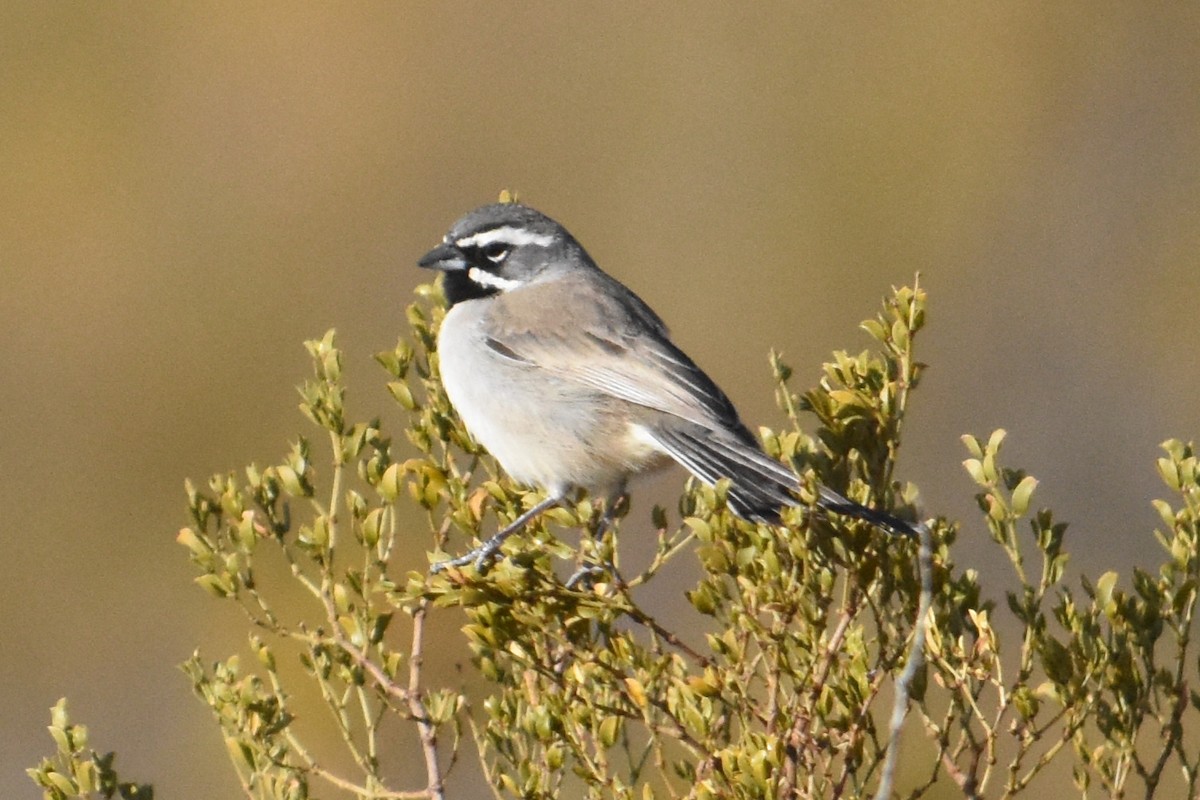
(587, 574)
(486, 553)
(482, 556)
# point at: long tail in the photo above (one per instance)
(759, 485)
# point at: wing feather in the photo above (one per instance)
(614, 345)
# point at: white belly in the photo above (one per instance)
(544, 430)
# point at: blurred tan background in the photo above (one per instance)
(190, 190)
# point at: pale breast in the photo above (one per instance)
(544, 430)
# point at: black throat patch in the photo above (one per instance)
(459, 287)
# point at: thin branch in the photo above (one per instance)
(246, 788)
(481, 747)
(675, 729)
(800, 728)
(335, 705)
(660, 558)
(312, 767)
(642, 618)
(916, 656)
(425, 726)
(410, 695)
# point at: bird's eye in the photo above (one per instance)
(495, 252)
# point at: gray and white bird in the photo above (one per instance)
(572, 382)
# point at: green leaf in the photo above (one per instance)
(1056, 661)
(1169, 472)
(62, 783)
(1021, 495)
(1104, 587)
(391, 484)
(875, 329)
(1165, 512)
(609, 728)
(973, 446)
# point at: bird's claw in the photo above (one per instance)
(586, 573)
(482, 556)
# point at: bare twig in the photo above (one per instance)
(411, 695)
(313, 768)
(425, 726)
(668, 551)
(916, 656)
(639, 616)
(800, 728)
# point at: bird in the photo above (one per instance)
(571, 381)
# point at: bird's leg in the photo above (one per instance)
(587, 572)
(484, 553)
(614, 507)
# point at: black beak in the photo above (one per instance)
(444, 257)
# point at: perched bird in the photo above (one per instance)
(572, 382)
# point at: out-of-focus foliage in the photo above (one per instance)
(785, 690)
(77, 771)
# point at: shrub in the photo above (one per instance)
(782, 684)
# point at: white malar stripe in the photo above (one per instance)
(508, 235)
(485, 278)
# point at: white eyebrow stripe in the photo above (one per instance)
(485, 278)
(508, 235)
